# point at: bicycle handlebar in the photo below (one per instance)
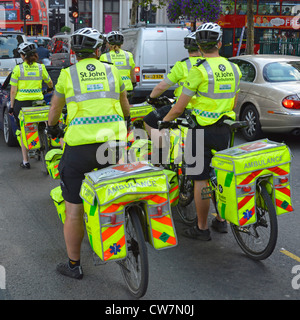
(233, 125)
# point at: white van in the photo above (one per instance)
(9, 56)
(155, 51)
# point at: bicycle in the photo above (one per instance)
(33, 124)
(133, 207)
(176, 139)
(257, 237)
(177, 163)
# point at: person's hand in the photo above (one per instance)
(11, 111)
(55, 131)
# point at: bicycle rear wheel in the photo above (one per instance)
(135, 268)
(258, 240)
(186, 206)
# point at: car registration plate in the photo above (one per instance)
(153, 76)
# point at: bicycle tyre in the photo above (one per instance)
(135, 268)
(250, 237)
(187, 214)
(44, 149)
(186, 206)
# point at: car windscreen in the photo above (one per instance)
(9, 45)
(282, 71)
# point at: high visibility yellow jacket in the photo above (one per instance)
(179, 73)
(124, 62)
(28, 79)
(215, 82)
(92, 93)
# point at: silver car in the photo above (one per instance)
(270, 94)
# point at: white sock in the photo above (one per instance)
(24, 162)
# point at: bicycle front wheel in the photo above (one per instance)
(258, 240)
(135, 268)
(44, 148)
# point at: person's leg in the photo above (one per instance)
(24, 150)
(202, 205)
(73, 229)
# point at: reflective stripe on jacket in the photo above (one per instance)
(93, 101)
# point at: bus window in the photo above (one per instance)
(290, 8)
(241, 7)
(227, 8)
(269, 7)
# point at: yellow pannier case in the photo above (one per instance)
(59, 202)
(139, 111)
(29, 119)
(237, 170)
(108, 191)
(52, 159)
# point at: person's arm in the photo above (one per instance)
(13, 92)
(57, 104)
(178, 108)
(189, 90)
(125, 104)
(47, 78)
(159, 89)
(58, 100)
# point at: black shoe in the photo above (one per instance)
(195, 233)
(25, 166)
(220, 226)
(64, 269)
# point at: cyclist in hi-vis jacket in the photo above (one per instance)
(97, 105)
(215, 82)
(26, 86)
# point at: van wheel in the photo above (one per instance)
(253, 132)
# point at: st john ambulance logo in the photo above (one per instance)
(90, 67)
(222, 67)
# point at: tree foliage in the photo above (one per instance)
(202, 10)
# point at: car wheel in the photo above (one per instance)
(9, 137)
(253, 132)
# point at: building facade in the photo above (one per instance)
(104, 15)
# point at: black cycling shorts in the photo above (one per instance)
(75, 162)
(18, 105)
(216, 137)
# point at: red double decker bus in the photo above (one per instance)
(10, 18)
(273, 20)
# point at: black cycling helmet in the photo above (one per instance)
(190, 42)
(115, 38)
(209, 34)
(26, 48)
(86, 40)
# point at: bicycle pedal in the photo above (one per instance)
(206, 193)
